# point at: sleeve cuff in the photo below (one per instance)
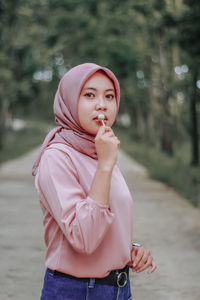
(93, 203)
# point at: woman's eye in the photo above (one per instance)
(110, 96)
(89, 95)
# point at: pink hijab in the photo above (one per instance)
(69, 130)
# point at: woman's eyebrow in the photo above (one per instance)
(110, 90)
(90, 88)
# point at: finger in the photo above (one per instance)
(138, 257)
(143, 260)
(108, 134)
(152, 264)
(133, 256)
(99, 132)
(133, 253)
(154, 267)
(146, 265)
(103, 129)
(107, 128)
(116, 140)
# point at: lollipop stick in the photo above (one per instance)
(101, 118)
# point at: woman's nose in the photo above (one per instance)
(101, 103)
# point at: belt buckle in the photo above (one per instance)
(122, 279)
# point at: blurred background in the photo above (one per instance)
(153, 47)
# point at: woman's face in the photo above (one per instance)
(97, 97)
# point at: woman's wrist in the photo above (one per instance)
(105, 167)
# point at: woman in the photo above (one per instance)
(87, 207)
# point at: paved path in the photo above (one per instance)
(164, 223)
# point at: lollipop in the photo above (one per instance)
(101, 118)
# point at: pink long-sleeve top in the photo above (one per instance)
(83, 238)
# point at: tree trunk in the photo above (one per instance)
(1, 124)
(194, 120)
(166, 138)
(150, 117)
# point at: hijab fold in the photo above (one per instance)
(69, 130)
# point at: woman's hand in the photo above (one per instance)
(141, 259)
(107, 145)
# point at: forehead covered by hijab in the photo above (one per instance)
(69, 89)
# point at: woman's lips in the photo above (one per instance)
(96, 118)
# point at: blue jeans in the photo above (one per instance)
(57, 287)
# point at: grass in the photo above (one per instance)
(174, 171)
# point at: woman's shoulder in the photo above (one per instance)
(56, 157)
(59, 146)
(57, 153)
(63, 155)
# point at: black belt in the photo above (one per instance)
(117, 278)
